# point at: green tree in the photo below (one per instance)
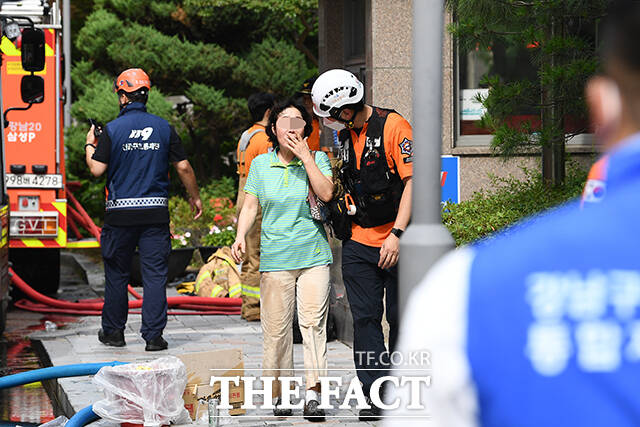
(214, 52)
(294, 20)
(562, 37)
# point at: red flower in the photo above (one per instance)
(218, 217)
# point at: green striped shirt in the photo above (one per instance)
(289, 238)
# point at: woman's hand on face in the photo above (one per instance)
(297, 145)
(238, 250)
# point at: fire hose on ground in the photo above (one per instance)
(65, 371)
(203, 305)
(83, 417)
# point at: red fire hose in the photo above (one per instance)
(203, 305)
(133, 292)
(43, 308)
(81, 216)
(72, 225)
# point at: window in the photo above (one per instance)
(508, 62)
(511, 62)
(354, 31)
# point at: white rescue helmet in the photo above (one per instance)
(334, 90)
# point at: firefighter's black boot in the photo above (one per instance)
(156, 344)
(114, 339)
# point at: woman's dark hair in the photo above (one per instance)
(279, 108)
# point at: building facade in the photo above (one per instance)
(374, 40)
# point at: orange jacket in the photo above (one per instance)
(314, 139)
(398, 147)
(258, 143)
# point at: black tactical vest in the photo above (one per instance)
(376, 189)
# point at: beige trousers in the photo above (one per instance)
(278, 291)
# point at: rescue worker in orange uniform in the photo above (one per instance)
(377, 154)
(313, 141)
(253, 142)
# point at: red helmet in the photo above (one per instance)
(131, 80)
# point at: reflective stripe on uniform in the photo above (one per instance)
(235, 290)
(216, 290)
(253, 291)
(137, 202)
(201, 278)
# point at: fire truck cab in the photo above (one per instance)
(34, 139)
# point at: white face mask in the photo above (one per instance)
(331, 124)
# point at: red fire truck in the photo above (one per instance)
(34, 142)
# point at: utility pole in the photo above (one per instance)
(426, 239)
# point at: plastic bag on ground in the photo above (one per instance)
(148, 393)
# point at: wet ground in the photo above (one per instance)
(30, 404)
(74, 340)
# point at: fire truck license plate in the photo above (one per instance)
(30, 180)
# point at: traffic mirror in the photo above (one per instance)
(33, 55)
(32, 89)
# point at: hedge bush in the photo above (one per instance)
(509, 200)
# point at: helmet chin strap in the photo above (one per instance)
(349, 124)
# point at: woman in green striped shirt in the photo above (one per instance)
(294, 251)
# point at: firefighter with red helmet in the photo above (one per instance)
(135, 150)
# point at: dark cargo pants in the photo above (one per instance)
(118, 246)
(366, 283)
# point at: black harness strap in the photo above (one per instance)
(375, 188)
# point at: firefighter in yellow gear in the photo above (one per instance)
(219, 277)
(253, 142)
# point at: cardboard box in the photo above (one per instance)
(190, 398)
(200, 368)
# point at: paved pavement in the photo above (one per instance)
(78, 343)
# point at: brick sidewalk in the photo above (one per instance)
(78, 343)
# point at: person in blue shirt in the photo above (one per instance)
(135, 150)
(540, 326)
